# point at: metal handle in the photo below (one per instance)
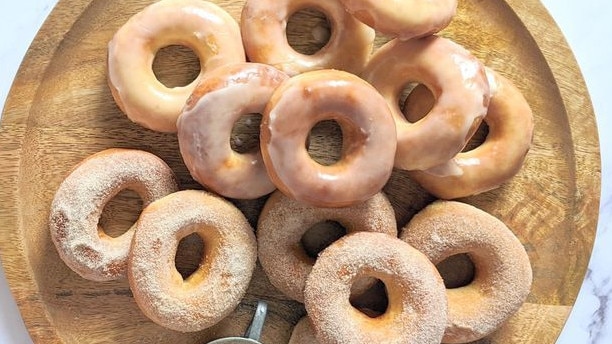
(254, 330)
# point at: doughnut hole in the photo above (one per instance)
(416, 100)
(189, 255)
(418, 104)
(325, 142)
(479, 137)
(245, 134)
(308, 31)
(372, 302)
(176, 66)
(321, 235)
(457, 271)
(119, 214)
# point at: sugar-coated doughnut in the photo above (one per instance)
(204, 27)
(206, 122)
(303, 333)
(80, 200)
(264, 22)
(368, 133)
(459, 84)
(503, 272)
(497, 159)
(403, 19)
(417, 302)
(283, 222)
(215, 289)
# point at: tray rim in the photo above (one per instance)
(34, 65)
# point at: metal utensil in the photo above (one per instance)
(253, 332)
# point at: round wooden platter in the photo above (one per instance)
(60, 110)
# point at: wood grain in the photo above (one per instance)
(60, 110)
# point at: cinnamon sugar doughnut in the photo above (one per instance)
(217, 286)
(207, 29)
(205, 127)
(503, 272)
(283, 222)
(368, 134)
(497, 159)
(80, 200)
(405, 19)
(459, 84)
(417, 301)
(264, 22)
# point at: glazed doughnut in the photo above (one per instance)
(503, 272)
(497, 159)
(459, 84)
(215, 289)
(205, 126)
(80, 200)
(403, 19)
(283, 222)
(303, 333)
(417, 302)
(264, 22)
(368, 133)
(212, 34)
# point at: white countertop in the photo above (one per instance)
(587, 27)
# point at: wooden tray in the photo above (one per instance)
(60, 110)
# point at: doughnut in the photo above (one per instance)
(214, 290)
(303, 333)
(206, 122)
(403, 19)
(283, 222)
(212, 34)
(263, 24)
(459, 84)
(79, 202)
(417, 302)
(368, 132)
(503, 273)
(497, 159)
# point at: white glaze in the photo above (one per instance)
(457, 80)
(368, 131)
(206, 123)
(404, 19)
(206, 28)
(264, 22)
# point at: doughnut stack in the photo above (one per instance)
(425, 134)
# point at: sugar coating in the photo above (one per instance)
(417, 302)
(503, 272)
(283, 222)
(215, 289)
(80, 199)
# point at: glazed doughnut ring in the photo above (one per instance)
(404, 19)
(497, 159)
(80, 200)
(417, 302)
(503, 272)
(368, 133)
(206, 123)
(264, 22)
(204, 27)
(283, 222)
(220, 282)
(459, 84)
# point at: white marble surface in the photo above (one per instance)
(587, 27)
